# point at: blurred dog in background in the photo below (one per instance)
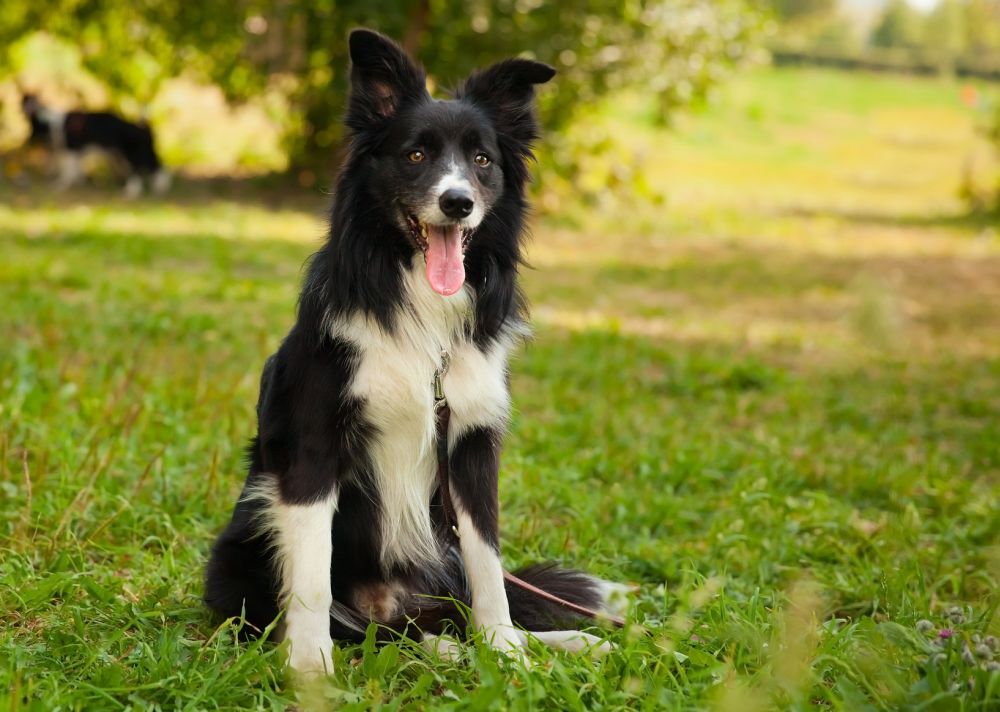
(71, 135)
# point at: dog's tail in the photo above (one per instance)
(528, 610)
(532, 612)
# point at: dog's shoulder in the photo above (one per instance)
(304, 400)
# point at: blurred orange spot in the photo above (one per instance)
(970, 96)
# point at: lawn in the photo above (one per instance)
(772, 401)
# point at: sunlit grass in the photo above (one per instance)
(774, 403)
(809, 138)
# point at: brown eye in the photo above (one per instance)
(482, 160)
(415, 156)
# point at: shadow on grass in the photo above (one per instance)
(720, 275)
(720, 290)
(766, 300)
(973, 221)
(277, 192)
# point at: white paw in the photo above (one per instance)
(310, 652)
(161, 181)
(133, 187)
(505, 638)
(574, 641)
(443, 646)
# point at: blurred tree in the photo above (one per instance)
(993, 134)
(792, 10)
(837, 34)
(816, 25)
(899, 26)
(982, 26)
(677, 49)
(945, 27)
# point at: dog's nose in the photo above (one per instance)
(456, 203)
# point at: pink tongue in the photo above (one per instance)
(445, 266)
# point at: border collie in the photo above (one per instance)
(342, 521)
(72, 134)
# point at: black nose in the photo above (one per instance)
(455, 203)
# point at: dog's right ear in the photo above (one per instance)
(507, 91)
(382, 78)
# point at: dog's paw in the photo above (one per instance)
(442, 646)
(310, 652)
(133, 188)
(505, 638)
(574, 641)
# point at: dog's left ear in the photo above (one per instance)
(507, 90)
(382, 78)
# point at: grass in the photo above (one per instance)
(773, 402)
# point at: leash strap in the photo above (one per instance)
(551, 597)
(442, 415)
(442, 419)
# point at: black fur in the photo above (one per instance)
(475, 464)
(312, 435)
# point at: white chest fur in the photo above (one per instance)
(394, 379)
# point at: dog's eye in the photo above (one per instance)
(482, 160)
(415, 156)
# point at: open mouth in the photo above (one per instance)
(444, 253)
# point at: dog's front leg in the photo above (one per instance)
(475, 464)
(70, 170)
(304, 542)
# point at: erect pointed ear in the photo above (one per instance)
(507, 89)
(382, 78)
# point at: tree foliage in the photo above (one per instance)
(677, 49)
(814, 24)
(794, 10)
(899, 26)
(993, 135)
(970, 27)
(944, 28)
(982, 26)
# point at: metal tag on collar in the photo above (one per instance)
(439, 376)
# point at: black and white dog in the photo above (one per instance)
(341, 520)
(72, 134)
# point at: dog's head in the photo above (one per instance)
(441, 166)
(30, 105)
(40, 119)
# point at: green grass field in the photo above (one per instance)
(773, 402)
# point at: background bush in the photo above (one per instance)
(288, 58)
